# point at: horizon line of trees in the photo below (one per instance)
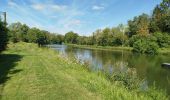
(21, 32)
(144, 33)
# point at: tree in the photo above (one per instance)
(41, 38)
(161, 17)
(32, 35)
(71, 37)
(57, 39)
(23, 33)
(18, 32)
(146, 45)
(81, 40)
(104, 37)
(119, 36)
(3, 36)
(162, 39)
(139, 25)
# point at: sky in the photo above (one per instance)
(80, 16)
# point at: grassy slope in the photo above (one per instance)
(32, 73)
(164, 50)
(110, 48)
(161, 50)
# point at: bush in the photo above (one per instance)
(152, 48)
(145, 45)
(3, 36)
(13, 36)
(133, 39)
(140, 46)
(162, 39)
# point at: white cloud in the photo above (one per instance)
(95, 7)
(38, 7)
(11, 3)
(51, 16)
(49, 7)
(58, 7)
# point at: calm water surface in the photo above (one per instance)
(147, 67)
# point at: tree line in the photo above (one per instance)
(21, 32)
(145, 33)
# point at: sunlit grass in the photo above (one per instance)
(110, 48)
(32, 73)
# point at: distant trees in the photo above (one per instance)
(71, 37)
(21, 32)
(148, 33)
(144, 33)
(57, 39)
(139, 25)
(110, 36)
(161, 17)
(18, 32)
(3, 36)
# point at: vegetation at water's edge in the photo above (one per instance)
(110, 48)
(144, 33)
(30, 72)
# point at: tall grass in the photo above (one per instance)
(127, 84)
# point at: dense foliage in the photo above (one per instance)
(21, 32)
(146, 34)
(71, 37)
(3, 36)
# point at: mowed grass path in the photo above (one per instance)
(31, 73)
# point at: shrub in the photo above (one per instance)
(162, 39)
(140, 46)
(133, 39)
(152, 48)
(145, 45)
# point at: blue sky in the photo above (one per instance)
(81, 16)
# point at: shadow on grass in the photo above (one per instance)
(8, 63)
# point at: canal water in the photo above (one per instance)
(147, 67)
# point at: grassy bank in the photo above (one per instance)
(32, 73)
(161, 50)
(101, 47)
(164, 50)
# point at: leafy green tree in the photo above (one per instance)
(32, 35)
(104, 37)
(161, 17)
(81, 40)
(139, 25)
(13, 36)
(119, 39)
(145, 45)
(23, 32)
(57, 39)
(41, 38)
(119, 36)
(18, 32)
(162, 39)
(71, 37)
(3, 36)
